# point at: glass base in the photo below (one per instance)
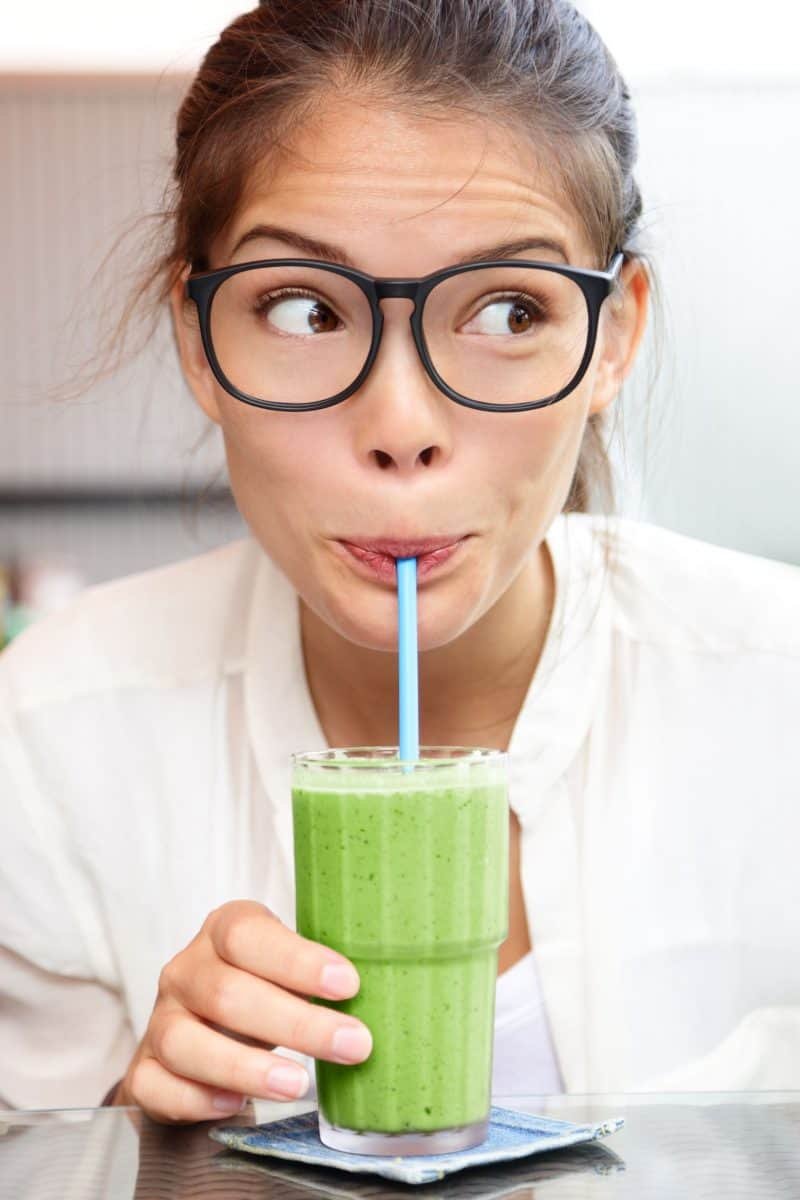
(441, 1141)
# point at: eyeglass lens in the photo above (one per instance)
(498, 335)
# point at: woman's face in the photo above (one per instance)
(404, 196)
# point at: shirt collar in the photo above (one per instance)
(555, 716)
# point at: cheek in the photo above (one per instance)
(276, 464)
(534, 458)
(274, 454)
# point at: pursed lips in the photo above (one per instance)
(379, 555)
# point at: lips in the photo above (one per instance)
(377, 556)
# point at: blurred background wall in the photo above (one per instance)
(717, 90)
(130, 475)
(112, 479)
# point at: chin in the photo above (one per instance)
(371, 622)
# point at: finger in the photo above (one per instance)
(257, 1009)
(252, 938)
(188, 1048)
(168, 1097)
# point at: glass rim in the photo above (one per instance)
(376, 758)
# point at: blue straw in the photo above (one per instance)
(407, 664)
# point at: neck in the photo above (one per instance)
(471, 690)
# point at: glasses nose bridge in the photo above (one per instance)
(397, 289)
(400, 289)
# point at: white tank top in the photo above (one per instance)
(524, 1058)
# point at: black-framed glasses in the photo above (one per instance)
(297, 334)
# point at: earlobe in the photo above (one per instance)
(194, 364)
(623, 329)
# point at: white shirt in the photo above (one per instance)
(145, 735)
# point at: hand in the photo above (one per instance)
(225, 1002)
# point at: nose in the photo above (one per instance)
(402, 420)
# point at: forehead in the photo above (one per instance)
(405, 193)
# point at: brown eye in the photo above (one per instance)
(297, 313)
(505, 315)
(321, 318)
(519, 318)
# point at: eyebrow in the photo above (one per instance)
(315, 248)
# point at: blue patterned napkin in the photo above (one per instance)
(511, 1135)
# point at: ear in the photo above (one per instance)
(622, 326)
(196, 369)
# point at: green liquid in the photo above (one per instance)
(411, 884)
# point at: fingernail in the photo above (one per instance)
(352, 1043)
(287, 1081)
(227, 1102)
(339, 979)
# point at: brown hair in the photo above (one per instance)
(537, 65)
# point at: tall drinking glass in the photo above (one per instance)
(403, 868)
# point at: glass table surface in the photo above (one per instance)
(700, 1144)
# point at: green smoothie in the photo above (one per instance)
(407, 875)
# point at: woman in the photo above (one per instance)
(645, 683)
